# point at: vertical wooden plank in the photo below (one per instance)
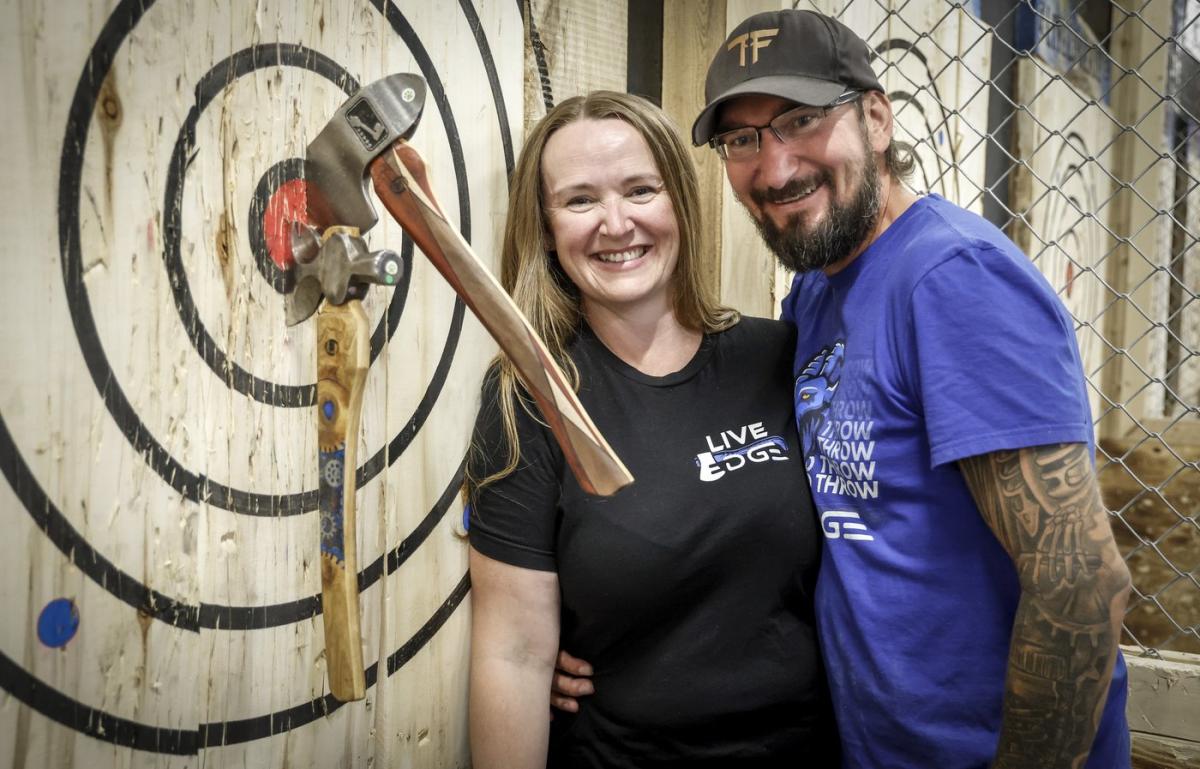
(269, 665)
(1063, 197)
(44, 576)
(583, 46)
(1184, 84)
(1144, 175)
(693, 32)
(644, 45)
(1189, 374)
(747, 265)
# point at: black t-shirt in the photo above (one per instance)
(690, 591)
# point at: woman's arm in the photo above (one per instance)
(514, 639)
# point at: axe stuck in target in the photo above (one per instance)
(331, 271)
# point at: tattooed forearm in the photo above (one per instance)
(1044, 507)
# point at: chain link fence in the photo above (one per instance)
(1072, 125)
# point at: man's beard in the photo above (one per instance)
(844, 228)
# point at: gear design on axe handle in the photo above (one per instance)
(333, 472)
(332, 468)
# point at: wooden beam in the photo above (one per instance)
(1153, 752)
(692, 32)
(1164, 695)
(747, 265)
(580, 46)
(1164, 709)
(1144, 172)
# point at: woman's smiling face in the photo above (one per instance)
(610, 217)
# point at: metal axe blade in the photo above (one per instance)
(366, 125)
(335, 167)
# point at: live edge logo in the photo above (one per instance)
(755, 40)
(731, 450)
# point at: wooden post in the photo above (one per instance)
(747, 265)
(743, 270)
(1063, 198)
(1144, 175)
(693, 31)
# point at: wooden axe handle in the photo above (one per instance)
(402, 185)
(343, 354)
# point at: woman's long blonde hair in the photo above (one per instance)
(530, 272)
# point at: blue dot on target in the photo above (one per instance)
(58, 622)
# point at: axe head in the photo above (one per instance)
(367, 124)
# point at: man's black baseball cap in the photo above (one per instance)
(801, 56)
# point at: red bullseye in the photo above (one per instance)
(287, 204)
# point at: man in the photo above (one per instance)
(971, 594)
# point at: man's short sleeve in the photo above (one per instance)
(514, 518)
(997, 363)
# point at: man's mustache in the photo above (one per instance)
(788, 191)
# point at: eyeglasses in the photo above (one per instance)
(742, 143)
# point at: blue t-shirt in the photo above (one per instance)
(941, 341)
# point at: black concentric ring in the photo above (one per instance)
(196, 486)
(97, 723)
(210, 86)
(104, 726)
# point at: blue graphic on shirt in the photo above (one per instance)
(815, 385)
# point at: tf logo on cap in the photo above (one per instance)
(759, 38)
(801, 56)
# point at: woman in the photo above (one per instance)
(690, 590)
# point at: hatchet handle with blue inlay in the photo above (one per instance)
(343, 354)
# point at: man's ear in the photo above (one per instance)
(877, 111)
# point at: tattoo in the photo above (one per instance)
(1044, 506)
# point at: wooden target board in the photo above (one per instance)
(933, 61)
(1065, 137)
(157, 429)
(573, 47)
